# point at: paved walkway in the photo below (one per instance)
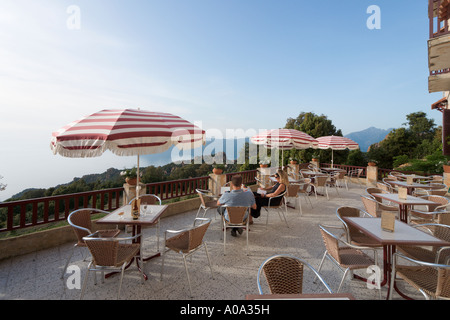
(38, 275)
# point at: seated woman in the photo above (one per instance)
(262, 200)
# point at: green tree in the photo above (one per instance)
(316, 126)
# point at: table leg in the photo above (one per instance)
(403, 212)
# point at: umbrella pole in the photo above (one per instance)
(332, 158)
(138, 186)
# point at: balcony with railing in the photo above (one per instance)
(439, 45)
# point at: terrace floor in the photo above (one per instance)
(38, 275)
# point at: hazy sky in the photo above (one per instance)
(229, 64)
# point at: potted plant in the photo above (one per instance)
(446, 167)
(315, 157)
(293, 161)
(372, 163)
(130, 176)
(218, 168)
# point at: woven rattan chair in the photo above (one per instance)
(374, 208)
(151, 199)
(442, 203)
(420, 217)
(186, 242)
(284, 274)
(346, 256)
(384, 186)
(320, 181)
(340, 177)
(80, 221)
(394, 188)
(207, 202)
(281, 207)
(355, 174)
(293, 193)
(371, 191)
(306, 184)
(110, 254)
(430, 279)
(436, 189)
(430, 254)
(238, 217)
(354, 235)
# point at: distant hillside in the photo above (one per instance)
(367, 137)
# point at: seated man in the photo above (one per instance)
(237, 197)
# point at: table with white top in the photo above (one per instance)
(403, 234)
(410, 186)
(404, 204)
(149, 216)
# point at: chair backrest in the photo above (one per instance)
(81, 223)
(321, 180)
(104, 252)
(370, 205)
(331, 244)
(370, 191)
(292, 190)
(383, 186)
(150, 199)
(197, 233)
(440, 202)
(438, 186)
(351, 212)
(236, 215)
(279, 200)
(439, 231)
(284, 274)
(200, 194)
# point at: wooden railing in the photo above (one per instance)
(22, 214)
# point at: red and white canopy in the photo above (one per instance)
(284, 139)
(125, 132)
(336, 143)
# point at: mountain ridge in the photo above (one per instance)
(365, 138)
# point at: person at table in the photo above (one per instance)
(262, 198)
(236, 197)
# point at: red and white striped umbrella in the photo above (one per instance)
(125, 132)
(336, 143)
(284, 139)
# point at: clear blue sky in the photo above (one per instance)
(228, 63)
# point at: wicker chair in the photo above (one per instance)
(354, 235)
(207, 202)
(371, 191)
(430, 279)
(80, 221)
(430, 254)
(284, 275)
(320, 181)
(293, 192)
(110, 254)
(374, 208)
(186, 242)
(238, 217)
(340, 177)
(355, 174)
(384, 186)
(347, 257)
(421, 217)
(437, 189)
(305, 183)
(442, 203)
(281, 207)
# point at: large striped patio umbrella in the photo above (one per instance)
(284, 139)
(126, 132)
(336, 143)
